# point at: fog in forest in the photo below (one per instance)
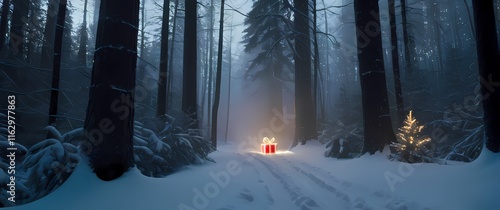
(342, 88)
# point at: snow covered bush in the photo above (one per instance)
(459, 143)
(39, 170)
(46, 165)
(159, 153)
(410, 146)
(342, 141)
(50, 162)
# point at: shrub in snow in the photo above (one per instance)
(41, 169)
(50, 162)
(342, 141)
(21, 192)
(159, 153)
(411, 146)
(462, 140)
(47, 164)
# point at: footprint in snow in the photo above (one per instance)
(359, 203)
(246, 195)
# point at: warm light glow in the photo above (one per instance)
(268, 146)
(278, 152)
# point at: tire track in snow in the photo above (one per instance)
(301, 201)
(270, 200)
(387, 200)
(358, 203)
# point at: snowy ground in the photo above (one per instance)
(300, 179)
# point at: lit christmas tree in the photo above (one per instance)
(410, 146)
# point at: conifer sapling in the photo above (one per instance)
(410, 146)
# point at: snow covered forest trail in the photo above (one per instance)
(291, 183)
(299, 179)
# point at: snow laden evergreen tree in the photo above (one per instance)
(266, 36)
(410, 145)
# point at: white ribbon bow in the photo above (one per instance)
(268, 141)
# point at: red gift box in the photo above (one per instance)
(269, 148)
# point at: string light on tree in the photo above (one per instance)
(410, 146)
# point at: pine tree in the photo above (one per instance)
(411, 146)
(268, 24)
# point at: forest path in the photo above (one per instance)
(287, 181)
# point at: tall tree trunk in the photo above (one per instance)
(215, 108)
(326, 97)
(436, 19)
(93, 27)
(406, 39)
(305, 124)
(143, 27)
(3, 22)
(395, 64)
(162, 77)
(229, 82)
(210, 61)
(189, 86)
(171, 55)
(204, 80)
(109, 123)
(82, 49)
(489, 65)
(17, 31)
(316, 63)
(376, 117)
(67, 42)
(49, 34)
(54, 93)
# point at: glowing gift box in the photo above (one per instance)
(268, 146)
